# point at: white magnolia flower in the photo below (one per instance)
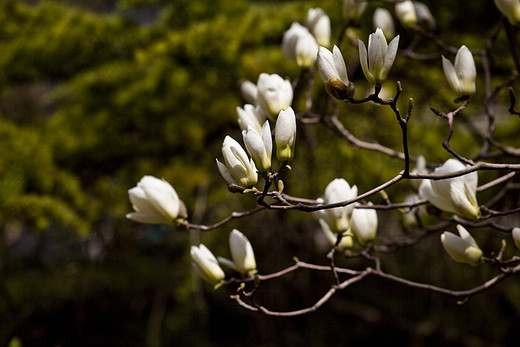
(250, 116)
(237, 167)
(154, 201)
(259, 146)
(510, 9)
(456, 195)
(333, 72)
(346, 241)
(463, 249)
(274, 94)
(411, 13)
(338, 219)
(516, 236)
(378, 60)
(353, 9)
(206, 265)
(462, 75)
(285, 134)
(364, 224)
(405, 13)
(318, 24)
(383, 19)
(249, 91)
(241, 253)
(299, 45)
(424, 16)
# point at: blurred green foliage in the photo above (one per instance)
(92, 101)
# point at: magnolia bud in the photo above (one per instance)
(237, 167)
(318, 24)
(463, 249)
(516, 236)
(383, 19)
(338, 218)
(299, 45)
(378, 60)
(259, 146)
(405, 13)
(250, 116)
(155, 201)
(456, 195)
(241, 253)
(510, 9)
(333, 72)
(364, 224)
(274, 94)
(206, 265)
(285, 134)
(462, 75)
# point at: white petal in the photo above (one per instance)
(363, 59)
(451, 75)
(391, 53)
(339, 64)
(326, 64)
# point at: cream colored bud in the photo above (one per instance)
(383, 19)
(463, 249)
(299, 45)
(337, 218)
(516, 236)
(364, 224)
(206, 265)
(405, 13)
(249, 91)
(237, 167)
(333, 72)
(259, 146)
(510, 9)
(456, 195)
(250, 116)
(318, 24)
(274, 94)
(154, 201)
(285, 134)
(242, 254)
(377, 61)
(462, 75)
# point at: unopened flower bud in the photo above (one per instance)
(378, 60)
(206, 265)
(333, 72)
(285, 134)
(383, 19)
(510, 9)
(259, 146)
(237, 167)
(364, 224)
(516, 236)
(462, 75)
(155, 201)
(463, 249)
(241, 252)
(318, 24)
(456, 195)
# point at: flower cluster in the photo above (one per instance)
(342, 224)
(268, 124)
(207, 265)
